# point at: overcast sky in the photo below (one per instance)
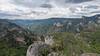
(43, 9)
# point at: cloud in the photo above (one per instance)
(43, 9)
(76, 1)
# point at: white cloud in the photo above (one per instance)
(31, 9)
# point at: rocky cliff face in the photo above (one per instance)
(12, 33)
(38, 49)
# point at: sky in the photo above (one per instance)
(43, 9)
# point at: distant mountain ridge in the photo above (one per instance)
(47, 25)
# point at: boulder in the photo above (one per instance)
(38, 49)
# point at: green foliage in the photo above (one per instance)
(6, 50)
(93, 38)
(69, 44)
(75, 44)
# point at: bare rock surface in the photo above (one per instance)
(53, 54)
(37, 49)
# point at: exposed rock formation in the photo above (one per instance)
(53, 54)
(38, 49)
(49, 40)
(12, 33)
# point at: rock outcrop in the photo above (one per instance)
(13, 33)
(38, 49)
(53, 54)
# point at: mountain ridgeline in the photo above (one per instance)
(57, 24)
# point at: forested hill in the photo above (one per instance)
(57, 24)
